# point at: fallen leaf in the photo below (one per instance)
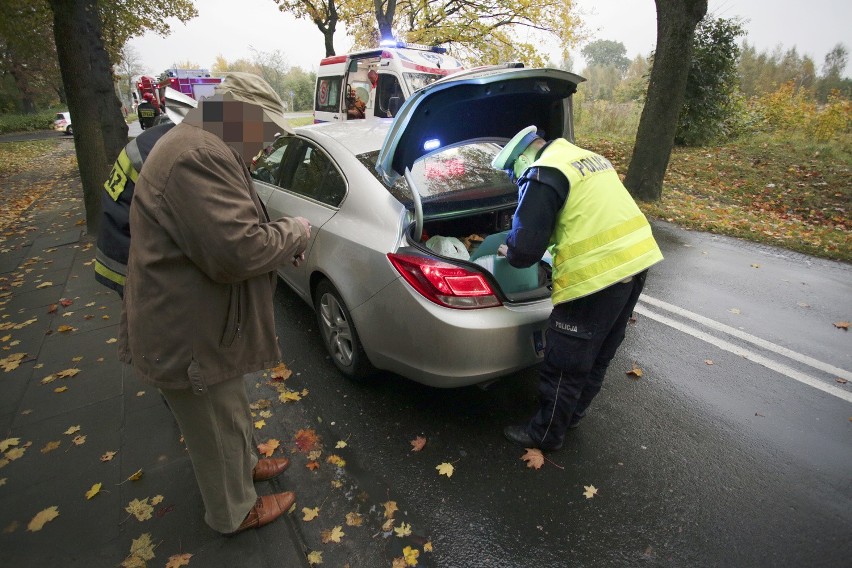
(289, 396)
(404, 529)
(65, 328)
(418, 443)
(333, 535)
(708, 361)
(336, 483)
(49, 447)
(157, 499)
(79, 440)
(354, 519)
(635, 371)
(15, 454)
(398, 562)
(755, 266)
(96, 488)
(590, 491)
(534, 458)
(427, 547)
(111, 340)
(445, 469)
(410, 555)
(45, 284)
(336, 460)
(108, 456)
(179, 560)
(259, 424)
(312, 465)
(841, 381)
(390, 509)
(340, 444)
(140, 509)
(268, 447)
(315, 557)
(51, 309)
(12, 362)
(43, 516)
(280, 373)
(72, 430)
(136, 476)
(8, 443)
(310, 514)
(734, 310)
(306, 440)
(388, 526)
(141, 550)
(844, 325)
(66, 302)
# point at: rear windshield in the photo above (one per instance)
(456, 178)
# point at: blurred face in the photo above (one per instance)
(240, 125)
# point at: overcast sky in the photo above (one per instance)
(232, 28)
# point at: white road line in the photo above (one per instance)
(751, 356)
(789, 353)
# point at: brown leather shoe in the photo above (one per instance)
(268, 468)
(266, 509)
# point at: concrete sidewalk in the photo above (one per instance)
(66, 404)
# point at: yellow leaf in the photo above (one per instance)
(404, 529)
(315, 557)
(79, 440)
(388, 526)
(268, 447)
(140, 509)
(96, 488)
(140, 549)
(111, 340)
(108, 456)
(281, 372)
(60, 389)
(288, 396)
(336, 460)
(136, 476)
(635, 371)
(410, 555)
(336, 483)
(49, 447)
(8, 443)
(259, 424)
(340, 444)
(157, 499)
(354, 519)
(45, 284)
(67, 373)
(72, 430)
(179, 560)
(590, 491)
(65, 328)
(427, 547)
(418, 443)
(445, 469)
(76, 359)
(12, 362)
(534, 458)
(44, 516)
(310, 514)
(14, 454)
(390, 509)
(334, 535)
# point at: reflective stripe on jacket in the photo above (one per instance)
(601, 237)
(114, 234)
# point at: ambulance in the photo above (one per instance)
(374, 82)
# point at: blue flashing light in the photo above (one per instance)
(388, 43)
(432, 144)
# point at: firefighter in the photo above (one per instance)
(572, 201)
(147, 111)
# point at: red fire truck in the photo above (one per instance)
(197, 83)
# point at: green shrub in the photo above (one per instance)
(26, 122)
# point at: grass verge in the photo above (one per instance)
(782, 191)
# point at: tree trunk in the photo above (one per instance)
(676, 22)
(100, 132)
(384, 18)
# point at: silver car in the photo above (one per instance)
(407, 214)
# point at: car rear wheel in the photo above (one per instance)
(339, 334)
(69, 130)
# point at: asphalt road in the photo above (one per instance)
(733, 449)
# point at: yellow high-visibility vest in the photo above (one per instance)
(601, 237)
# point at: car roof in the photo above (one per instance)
(357, 136)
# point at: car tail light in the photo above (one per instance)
(445, 284)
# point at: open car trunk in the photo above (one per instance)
(472, 240)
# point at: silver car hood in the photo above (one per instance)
(492, 103)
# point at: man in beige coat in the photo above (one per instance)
(198, 311)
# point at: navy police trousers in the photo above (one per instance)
(582, 338)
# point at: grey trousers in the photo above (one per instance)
(217, 431)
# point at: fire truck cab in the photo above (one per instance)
(375, 82)
(197, 83)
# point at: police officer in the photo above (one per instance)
(147, 111)
(572, 201)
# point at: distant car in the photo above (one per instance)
(62, 123)
(376, 190)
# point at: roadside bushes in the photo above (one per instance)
(792, 110)
(26, 122)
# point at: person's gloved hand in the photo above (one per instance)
(502, 250)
